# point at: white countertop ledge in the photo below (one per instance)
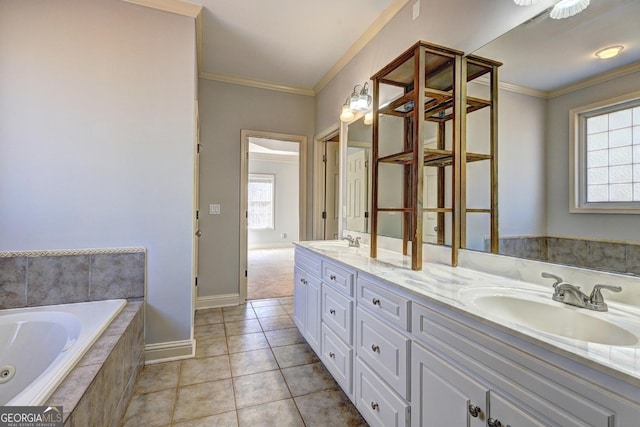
(444, 285)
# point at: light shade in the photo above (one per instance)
(568, 8)
(609, 52)
(346, 115)
(525, 2)
(368, 118)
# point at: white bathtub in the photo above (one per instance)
(40, 345)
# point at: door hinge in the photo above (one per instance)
(197, 214)
(245, 273)
(324, 158)
(366, 163)
(196, 281)
(246, 214)
(366, 214)
(324, 215)
(198, 147)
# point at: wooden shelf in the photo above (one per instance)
(432, 157)
(436, 104)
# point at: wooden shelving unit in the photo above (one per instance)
(433, 80)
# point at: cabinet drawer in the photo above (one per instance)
(338, 358)
(377, 403)
(337, 313)
(385, 350)
(308, 262)
(383, 303)
(338, 277)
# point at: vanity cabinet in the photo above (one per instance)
(307, 298)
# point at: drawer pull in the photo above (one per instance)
(374, 406)
(301, 280)
(474, 410)
(333, 277)
(492, 422)
(332, 311)
(375, 348)
(332, 355)
(376, 301)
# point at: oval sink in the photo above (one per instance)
(552, 318)
(330, 245)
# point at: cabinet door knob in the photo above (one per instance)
(376, 301)
(492, 422)
(374, 406)
(332, 354)
(301, 280)
(474, 410)
(332, 311)
(375, 348)
(332, 277)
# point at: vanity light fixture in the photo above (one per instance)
(609, 52)
(568, 8)
(368, 118)
(347, 114)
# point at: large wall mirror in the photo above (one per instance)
(550, 68)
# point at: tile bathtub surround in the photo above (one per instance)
(249, 370)
(99, 388)
(617, 257)
(60, 277)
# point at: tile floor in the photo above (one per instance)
(252, 368)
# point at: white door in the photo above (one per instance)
(331, 190)
(357, 190)
(430, 197)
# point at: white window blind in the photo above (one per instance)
(261, 201)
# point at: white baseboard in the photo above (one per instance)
(270, 245)
(215, 301)
(169, 351)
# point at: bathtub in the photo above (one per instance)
(40, 345)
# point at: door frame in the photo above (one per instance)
(244, 189)
(319, 178)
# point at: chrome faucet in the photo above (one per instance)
(353, 243)
(572, 295)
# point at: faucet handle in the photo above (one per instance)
(596, 295)
(558, 279)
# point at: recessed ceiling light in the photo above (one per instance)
(609, 52)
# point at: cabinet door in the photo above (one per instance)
(299, 298)
(313, 313)
(444, 395)
(508, 414)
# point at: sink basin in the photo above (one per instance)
(529, 309)
(330, 245)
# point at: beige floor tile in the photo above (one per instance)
(279, 322)
(285, 301)
(241, 327)
(211, 347)
(270, 311)
(256, 389)
(293, 355)
(288, 308)
(280, 337)
(284, 412)
(203, 370)
(151, 409)
(317, 409)
(252, 362)
(248, 342)
(228, 419)
(208, 316)
(265, 303)
(239, 312)
(307, 379)
(157, 377)
(204, 399)
(209, 331)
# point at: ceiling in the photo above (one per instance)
(285, 44)
(548, 55)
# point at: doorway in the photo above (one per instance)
(273, 200)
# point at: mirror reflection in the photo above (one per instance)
(551, 69)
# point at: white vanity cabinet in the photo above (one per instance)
(382, 353)
(307, 299)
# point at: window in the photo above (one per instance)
(606, 156)
(261, 201)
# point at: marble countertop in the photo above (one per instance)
(450, 286)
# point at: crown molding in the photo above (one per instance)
(510, 87)
(256, 83)
(382, 20)
(178, 7)
(601, 78)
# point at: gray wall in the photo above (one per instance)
(286, 203)
(96, 139)
(560, 222)
(226, 109)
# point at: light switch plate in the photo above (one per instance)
(214, 209)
